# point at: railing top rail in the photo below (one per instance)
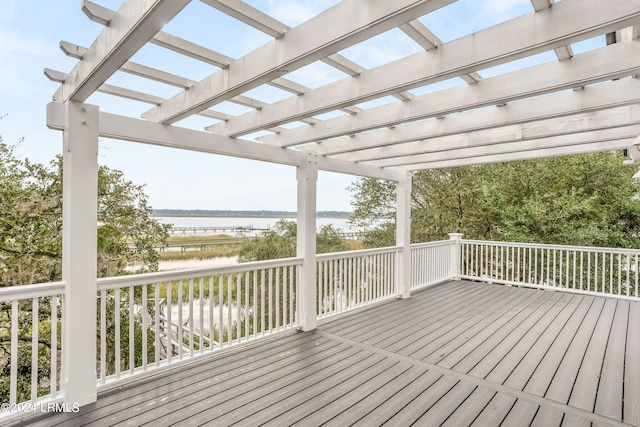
(13, 293)
(353, 254)
(165, 276)
(562, 247)
(431, 244)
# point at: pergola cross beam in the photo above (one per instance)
(135, 23)
(537, 32)
(338, 28)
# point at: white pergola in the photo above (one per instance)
(575, 104)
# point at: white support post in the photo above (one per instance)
(403, 233)
(79, 251)
(454, 269)
(307, 176)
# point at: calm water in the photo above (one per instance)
(181, 221)
(338, 223)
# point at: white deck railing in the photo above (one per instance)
(346, 280)
(601, 271)
(430, 263)
(31, 323)
(151, 320)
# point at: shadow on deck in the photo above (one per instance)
(460, 353)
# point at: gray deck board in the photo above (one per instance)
(483, 358)
(609, 400)
(547, 417)
(414, 409)
(470, 408)
(585, 389)
(438, 348)
(378, 397)
(496, 411)
(245, 388)
(409, 321)
(395, 310)
(447, 405)
(521, 414)
(457, 354)
(167, 399)
(405, 340)
(482, 342)
(556, 347)
(632, 367)
(567, 371)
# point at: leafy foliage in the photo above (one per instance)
(589, 199)
(31, 252)
(280, 242)
(31, 222)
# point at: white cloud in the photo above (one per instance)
(14, 43)
(294, 12)
(502, 10)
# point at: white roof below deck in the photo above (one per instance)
(522, 88)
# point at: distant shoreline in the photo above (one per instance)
(171, 213)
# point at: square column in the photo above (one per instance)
(79, 251)
(456, 247)
(307, 177)
(403, 233)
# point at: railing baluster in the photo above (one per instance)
(103, 336)
(201, 298)
(255, 303)
(13, 380)
(637, 273)
(277, 298)
(285, 284)
(132, 345)
(145, 324)
(117, 331)
(238, 306)
(169, 325)
(229, 310)
(180, 319)
(35, 312)
(54, 346)
(156, 292)
(246, 304)
(262, 304)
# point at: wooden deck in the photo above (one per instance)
(458, 354)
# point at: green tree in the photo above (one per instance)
(280, 242)
(31, 252)
(31, 222)
(589, 199)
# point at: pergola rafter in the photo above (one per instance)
(592, 67)
(536, 33)
(307, 43)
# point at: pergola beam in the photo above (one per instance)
(611, 62)
(407, 152)
(497, 147)
(590, 99)
(425, 38)
(131, 94)
(142, 131)
(135, 23)
(562, 53)
(527, 155)
(537, 32)
(338, 28)
(162, 77)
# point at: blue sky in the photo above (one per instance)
(30, 31)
